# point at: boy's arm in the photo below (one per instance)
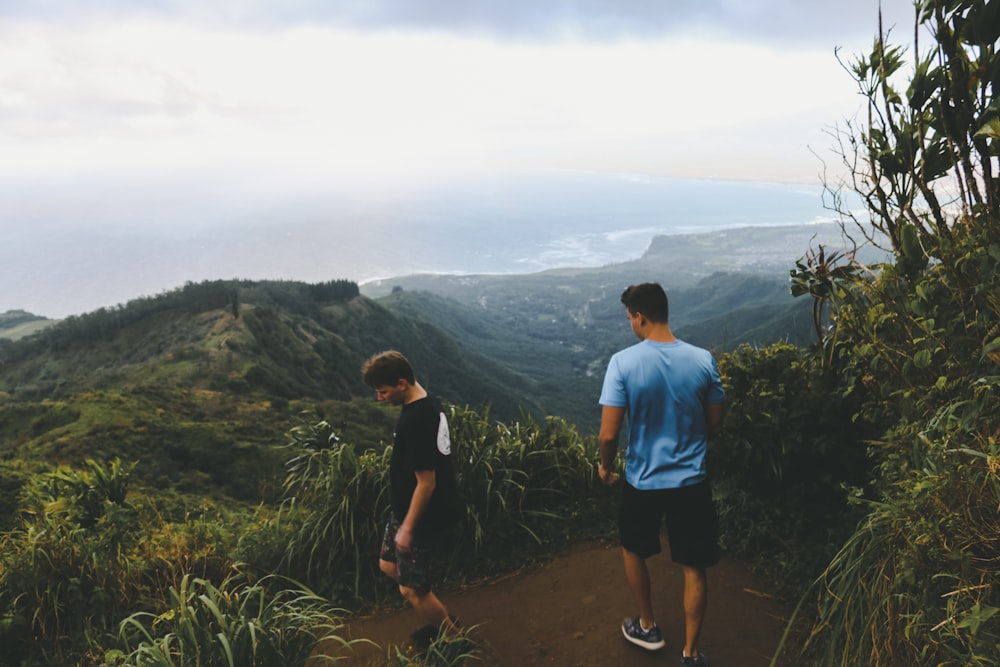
(426, 481)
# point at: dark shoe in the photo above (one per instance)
(454, 621)
(650, 640)
(697, 661)
(424, 637)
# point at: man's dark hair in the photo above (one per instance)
(386, 369)
(648, 299)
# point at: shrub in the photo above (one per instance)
(515, 482)
(65, 569)
(789, 456)
(240, 623)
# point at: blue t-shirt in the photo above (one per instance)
(665, 388)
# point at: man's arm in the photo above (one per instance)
(426, 481)
(611, 425)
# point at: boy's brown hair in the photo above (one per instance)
(386, 369)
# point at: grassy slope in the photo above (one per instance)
(16, 324)
(202, 400)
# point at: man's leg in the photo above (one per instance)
(637, 575)
(429, 606)
(414, 578)
(695, 604)
(387, 558)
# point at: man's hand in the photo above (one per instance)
(607, 476)
(611, 424)
(404, 540)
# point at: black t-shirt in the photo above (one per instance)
(422, 442)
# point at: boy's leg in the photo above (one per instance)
(415, 568)
(389, 569)
(429, 606)
(387, 557)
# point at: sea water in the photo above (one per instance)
(534, 220)
(75, 248)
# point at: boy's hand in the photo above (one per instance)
(607, 476)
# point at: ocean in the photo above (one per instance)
(102, 248)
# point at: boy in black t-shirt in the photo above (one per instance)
(421, 488)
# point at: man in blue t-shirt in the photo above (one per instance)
(672, 396)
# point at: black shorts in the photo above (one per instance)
(692, 525)
(414, 569)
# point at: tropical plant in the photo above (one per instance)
(447, 650)
(65, 568)
(788, 451)
(336, 501)
(513, 480)
(918, 581)
(240, 623)
(818, 274)
(511, 476)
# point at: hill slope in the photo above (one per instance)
(556, 331)
(16, 324)
(199, 385)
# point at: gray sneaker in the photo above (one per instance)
(697, 661)
(650, 640)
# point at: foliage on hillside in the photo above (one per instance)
(270, 340)
(915, 343)
(579, 308)
(556, 330)
(788, 450)
(93, 571)
(189, 377)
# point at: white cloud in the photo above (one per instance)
(152, 94)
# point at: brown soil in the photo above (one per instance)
(568, 612)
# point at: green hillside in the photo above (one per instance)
(198, 385)
(726, 288)
(553, 333)
(16, 324)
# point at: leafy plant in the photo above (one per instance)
(789, 457)
(515, 481)
(517, 476)
(240, 623)
(917, 582)
(337, 499)
(65, 569)
(447, 650)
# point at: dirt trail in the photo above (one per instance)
(568, 612)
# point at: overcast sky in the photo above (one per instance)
(146, 143)
(340, 90)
